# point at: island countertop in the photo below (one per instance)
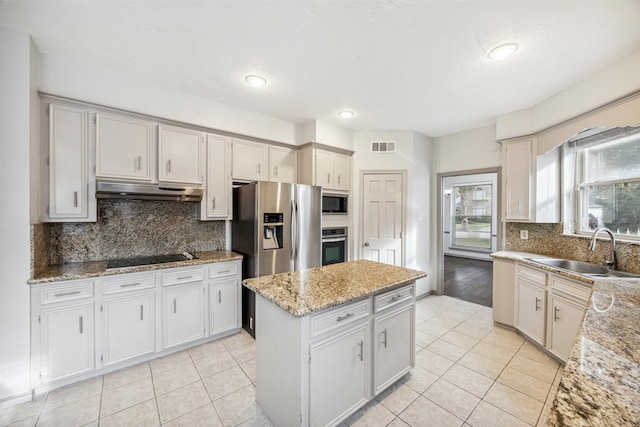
(319, 288)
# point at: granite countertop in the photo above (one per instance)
(601, 381)
(521, 257)
(319, 288)
(83, 270)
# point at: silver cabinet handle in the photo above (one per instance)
(338, 179)
(224, 271)
(168, 165)
(141, 312)
(213, 204)
(219, 297)
(361, 355)
(128, 285)
(396, 298)
(537, 303)
(328, 178)
(518, 206)
(275, 171)
(258, 166)
(184, 277)
(81, 326)
(556, 310)
(385, 338)
(75, 199)
(174, 306)
(139, 162)
(64, 294)
(345, 317)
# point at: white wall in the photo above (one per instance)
(468, 150)
(78, 80)
(15, 76)
(413, 154)
(613, 82)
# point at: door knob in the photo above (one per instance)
(366, 243)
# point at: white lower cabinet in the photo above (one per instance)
(82, 328)
(393, 346)
(531, 311)
(183, 316)
(565, 317)
(339, 375)
(67, 341)
(128, 324)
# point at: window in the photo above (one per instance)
(608, 182)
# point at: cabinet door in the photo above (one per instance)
(179, 155)
(517, 162)
(223, 302)
(123, 148)
(68, 164)
(341, 171)
(531, 311)
(339, 375)
(393, 347)
(283, 164)
(67, 341)
(216, 201)
(565, 317)
(249, 160)
(324, 169)
(128, 327)
(183, 314)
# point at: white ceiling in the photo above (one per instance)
(417, 65)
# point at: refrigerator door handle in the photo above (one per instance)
(294, 229)
(297, 230)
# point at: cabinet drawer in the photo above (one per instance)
(129, 282)
(339, 317)
(66, 293)
(183, 276)
(573, 289)
(529, 274)
(393, 298)
(223, 269)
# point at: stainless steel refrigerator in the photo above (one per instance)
(276, 227)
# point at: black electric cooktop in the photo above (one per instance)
(148, 260)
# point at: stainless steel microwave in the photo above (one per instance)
(335, 204)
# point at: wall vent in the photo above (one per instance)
(383, 146)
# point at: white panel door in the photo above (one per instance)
(382, 215)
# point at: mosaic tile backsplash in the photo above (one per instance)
(130, 228)
(547, 239)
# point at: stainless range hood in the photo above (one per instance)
(141, 191)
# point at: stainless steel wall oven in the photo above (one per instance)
(334, 245)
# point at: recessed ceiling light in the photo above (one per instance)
(502, 51)
(346, 114)
(255, 81)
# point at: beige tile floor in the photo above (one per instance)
(467, 373)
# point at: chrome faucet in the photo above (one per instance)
(611, 262)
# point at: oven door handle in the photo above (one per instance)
(338, 239)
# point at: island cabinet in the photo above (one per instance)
(318, 369)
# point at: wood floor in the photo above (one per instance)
(469, 280)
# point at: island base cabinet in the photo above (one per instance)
(393, 347)
(339, 380)
(67, 345)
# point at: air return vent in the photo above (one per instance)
(383, 146)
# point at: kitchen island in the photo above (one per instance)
(331, 338)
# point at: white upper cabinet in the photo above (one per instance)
(531, 183)
(179, 155)
(324, 169)
(283, 164)
(250, 160)
(216, 201)
(328, 169)
(341, 171)
(124, 148)
(68, 179)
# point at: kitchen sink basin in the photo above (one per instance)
(581, 267)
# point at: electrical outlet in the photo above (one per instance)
(524, 234)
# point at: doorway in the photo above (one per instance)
(382, 217)
(468, 234)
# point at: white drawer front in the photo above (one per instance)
(531, 275)
(576, 290)
(69, 292)
(339, 317)
(128, 282)
(393, 298)
(183, 276)
(223, 269)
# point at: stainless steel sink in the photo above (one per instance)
(581, 267)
